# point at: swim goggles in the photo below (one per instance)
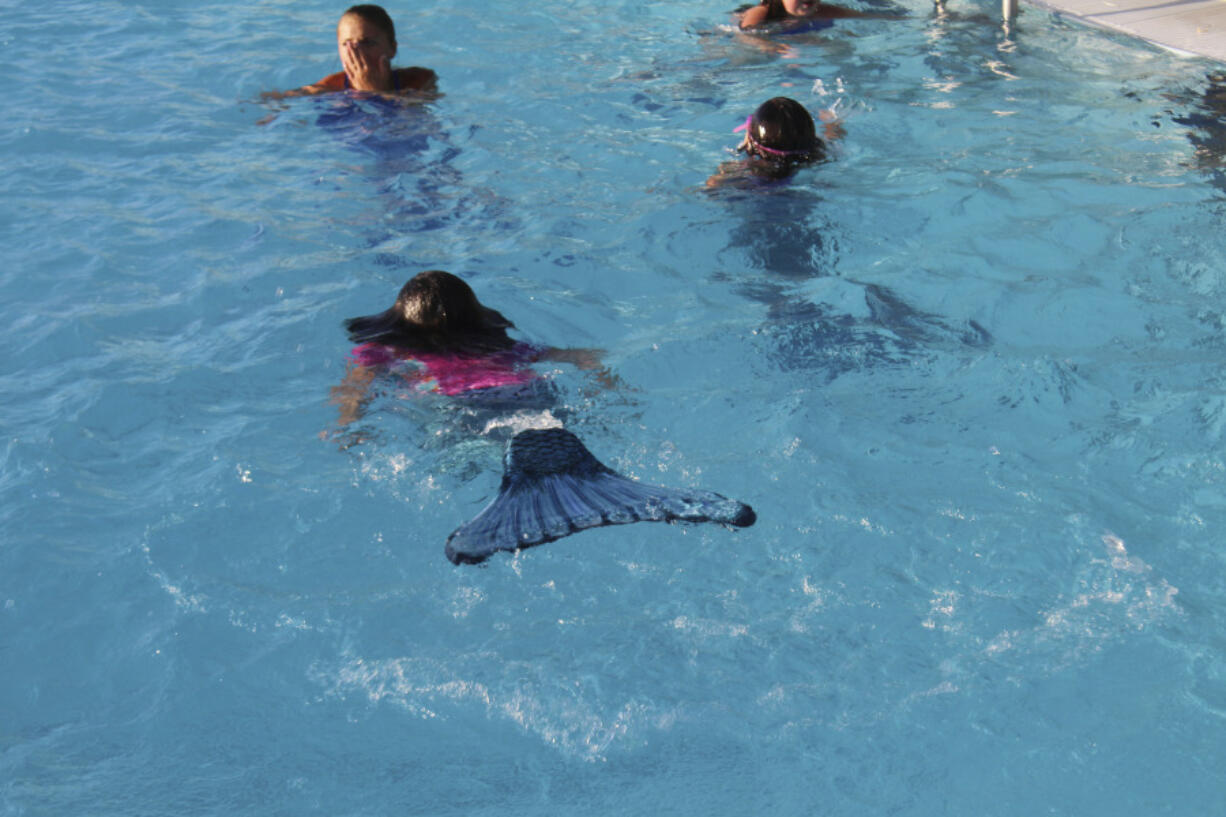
(758, 147)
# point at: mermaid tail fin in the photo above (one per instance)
(552, 486)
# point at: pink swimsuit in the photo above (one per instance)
(454, 374)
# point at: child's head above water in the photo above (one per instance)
(791, 11)
(782, 131)
(770, 11)
(434, 310)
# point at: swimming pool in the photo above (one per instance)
(969, 375)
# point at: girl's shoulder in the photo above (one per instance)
(753, 16)
(330, 83)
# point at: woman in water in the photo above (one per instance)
(366, 42)
(799, 15)
(439, 337)
(780, 138)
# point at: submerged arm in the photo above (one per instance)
(586, 359)
(353, 393)
(330, 83)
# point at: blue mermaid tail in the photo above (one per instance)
(552, 486)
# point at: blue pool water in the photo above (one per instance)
(969, 374)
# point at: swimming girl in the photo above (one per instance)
(366, 42)
(793, 12)
(780, 138)
(441, 337)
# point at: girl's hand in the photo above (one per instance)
(832, 125)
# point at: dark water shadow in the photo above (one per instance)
(786, 238)
(782, 229)
(413, 163)
(1205, 120)
(868, 326)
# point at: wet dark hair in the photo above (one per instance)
(376, 16)
(774, 10)
(781, 134)
(435, 312)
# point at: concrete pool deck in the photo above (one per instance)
(1193, 27)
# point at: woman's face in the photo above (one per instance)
(801, 8)
(353, 32)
